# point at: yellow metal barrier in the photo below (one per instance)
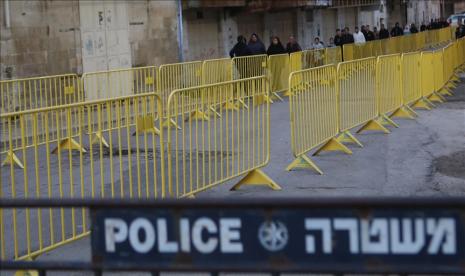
(23, 94)
(313, 111)
(278, 70)
(357, 99)
(131, 166)
(427, 78)
(249, 66)
(348, 52)
(333, 55)
(118, 83)
(389, 89)
(307, 59)
(216, 70)
(411, 80)
(210, 150)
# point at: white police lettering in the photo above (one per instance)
(205, 236)
(116, 231)
(407, 236)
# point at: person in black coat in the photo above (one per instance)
(422, 27)
(347, 38)
(338, 38)
(292, 46)
(275, 47)
(383, 32)
(413, 29)
(369, 34)
(397, 30)
(256, 46)
(240, 49)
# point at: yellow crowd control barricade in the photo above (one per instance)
(210, 150)
(348, 52)
(377, 49)
(438, 76)
(362, 50)
(117, 83)
(333, 55)
(427, 80)
(24, 94)
(449, 61)
(216, 70)
(278, 73)
(411, 80)
(177, 76)
(389, 89)
(249, 66)
(313, 110)
(306, 59)
(70, 165)
(357, 96)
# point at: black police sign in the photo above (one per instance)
(281, 238)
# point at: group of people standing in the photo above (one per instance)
(343, 36)
(256, 47)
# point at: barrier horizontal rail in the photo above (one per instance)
(209, 149)
(119, 83)
(114, 150)
(313, 108)
(30, 93)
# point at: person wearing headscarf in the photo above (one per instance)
(255, 45)
(275, 47)
(240, 49)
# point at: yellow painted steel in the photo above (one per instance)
(307, 59)
(216, 70)
(389, 83)
(348, 52)
(411, 78)
(207, 151)
(427, 74)
(278, 72)
(117, 83)
(313, 111)
(177, 76)
(23, 94)
(357, 96)
(131, 167)
(333, 55)
(249, 66)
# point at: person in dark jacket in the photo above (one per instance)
(338, 38)
(397, 30)
(376, 33)
(460, 31)
(256, 46)
(422, 27)
(292, 46)
(240, 49)
(363, 30)
(369, 34)
(383, 32)
(275, 47)
(347, 38)
(413, 29)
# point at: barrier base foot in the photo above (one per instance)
(445, 91)
(374, 125)
(347, 137)
(241, 102)
(98, 138)
(230, 106)
(12, 159)
(276, 95)
(198, 115)
(69, 144)
(435, 97)
(333, 145)
(256, 177)
(423, 103)
(26, 273)
(402, 112)
(412, 112)
(212, 109)
(385, 120)
(170, 123)
(303, 162)
(287, 93)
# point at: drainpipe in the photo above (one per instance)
(7, 13)
(180, 32)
